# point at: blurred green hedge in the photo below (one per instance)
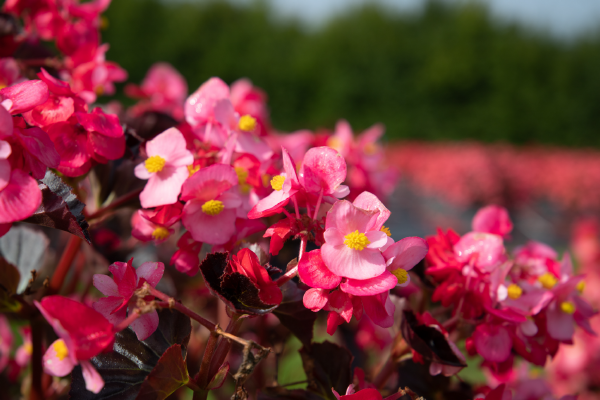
(448, 72)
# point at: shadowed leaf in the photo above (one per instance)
(275, 393)
(25, 248)
(169, 374)
(428, 341)
(327, 366)
(235, 289)
(293, 315)
(60, 208)
(125, 369)
(9, 280)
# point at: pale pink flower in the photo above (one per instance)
(492, 219)
(323, 171)
(166, 168)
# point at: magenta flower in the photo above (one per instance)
(350, 249)
(486, 250)
(155, 224)
(210, 212)
(120, 291)
(323, 170)
(284, 187)
(165, 168)
(186, 258)
(492, 219)
(83, 332)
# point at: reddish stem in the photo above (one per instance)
(76, 274)
(115, 204)
(225, 345)
(400, 348)
(318, 205)
(37, 391)
(169, 302)
(296, 207)
(64, 264)
(127, 321)
(202, 377)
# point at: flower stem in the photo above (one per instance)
(318, 205)
(202, 377)
(36, 392)
(296, 207)
(127, 321)
(400, 348)
(169, 302)
(115, 204)
(64, 264)
(234, 326)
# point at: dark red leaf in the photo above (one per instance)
(169, 374)
(327, 366)
(293, 315)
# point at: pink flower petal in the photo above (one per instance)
(152, 272)
(333, 237)
(270, 205)
(378, 239)
(38, 143)
(199, 107)
(406, 253)
(370, 202)
(315, 299)
(209, 183)
(171, 146)
(347, 218)
(487, 247)
(4, 173)
(106, 285)
(25, 95)
(370, 287)
(145, 325)
(93, 381)
(6, 122)
(492, 219)
(340, 303)
(104, 124)
(109, 147)
(322, 169)
(163, 187)
(559, 325)
(380, 309)
(107, 306)
(492, 342)
(212, 229)
(314, 273)
(349, 263)
(53, 365)
(20, 198)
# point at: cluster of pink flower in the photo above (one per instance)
(473, 173)
(526, 304)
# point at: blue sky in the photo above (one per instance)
(564, 18)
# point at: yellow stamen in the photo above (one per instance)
(277, 182)
(28, 348)
(401, 274)
(193, 169)
(567, 307)
(213, 207)
(334, 143)
(514, 291)
(386, 230)
(160, 233)
(2, 85)
(356, 241)
(104, 22)
(61, 349)
(242, 175)
(247, 123)
(370, 149)
(581, 286)
(548, 280)
(155, 164)
(99, 90)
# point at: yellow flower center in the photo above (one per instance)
(2, 85)
(401, 274)
(193, 169)
(548, 280)
(581, 286)
(160, 233)
(99, 90)
(213, 207)
(567, 307)
(247, 123)
(28, 348)
(514, 291)
(334, 143)
(356, 240)
(155, 164)
(61, 349)
(242, 175)
(277, 182)
(386, 230)
(370, 149)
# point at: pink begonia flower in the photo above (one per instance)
(120, 291)
(492, 219)
(493, 342)
(166, 168)
(323, 170)
(23, 354)
(96, 137)
(154, 224)
(534, 259)
(210, 112)
(284, 187)
(243, 228)
(83, 332)
(92, 75)
(6, 342)
(403, 255)
(211, 201)
(23, 96)
(247, 99)
(32, 150)
(163, 89)
(186, 259)
(60, 106)
(350, 249)
(486, 249)
(19, 198)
